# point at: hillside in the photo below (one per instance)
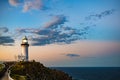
(36, 71)
(2, 70)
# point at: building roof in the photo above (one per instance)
(24, 38)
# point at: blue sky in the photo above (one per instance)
(13, 16)
(48, 22)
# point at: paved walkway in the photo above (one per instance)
(5, 77)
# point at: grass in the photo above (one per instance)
(18, 77)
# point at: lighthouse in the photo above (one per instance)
(25, 46)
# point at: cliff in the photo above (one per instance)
(36, 71)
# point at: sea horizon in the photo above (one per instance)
(91, 73)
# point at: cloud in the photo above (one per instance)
(57, 20)
(20, 30)
(33, 4)
(5, 40)
(100, 15)
(14, 2)
(72, 55)
(3, 30)
(54, 32)
(47, 28)
(28, 5)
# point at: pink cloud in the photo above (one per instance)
(34, 4)
(14, 2)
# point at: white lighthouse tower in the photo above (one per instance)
(25, 46)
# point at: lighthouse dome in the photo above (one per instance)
(24, 38)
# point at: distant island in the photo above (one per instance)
(31, 70)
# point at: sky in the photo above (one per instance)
(62, 33)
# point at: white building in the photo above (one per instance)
(24, 55)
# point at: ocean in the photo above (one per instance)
(92, 73)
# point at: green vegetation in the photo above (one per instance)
(2, 70)
(36, 71)
(1, 67)
(18, 77)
